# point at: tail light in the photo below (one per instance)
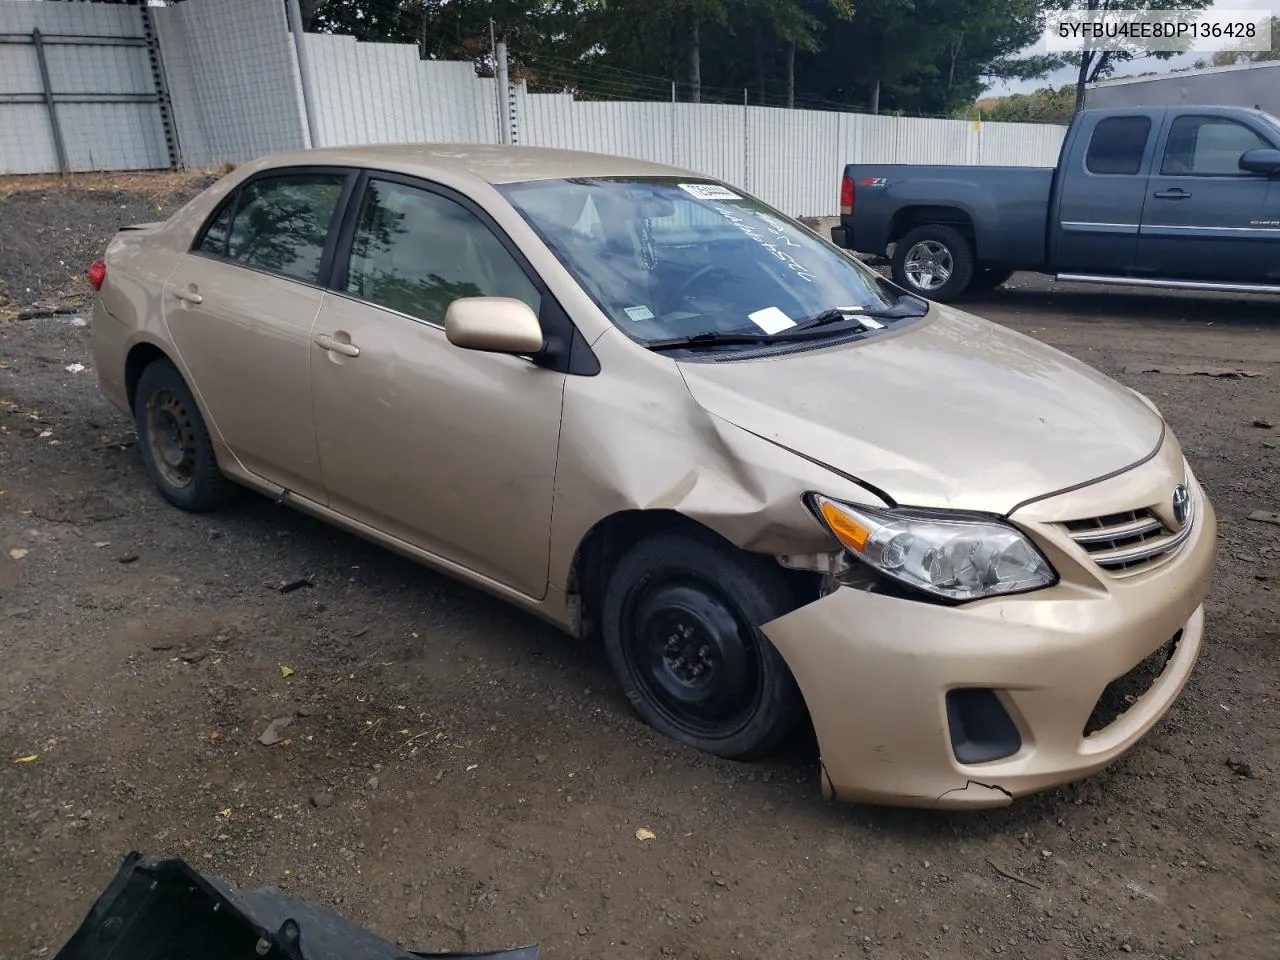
(846, 196)
(97, 273)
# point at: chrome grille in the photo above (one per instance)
(1130, 541)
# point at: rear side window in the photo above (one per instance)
(278, 224)
(1207, 147)
(1117, 145)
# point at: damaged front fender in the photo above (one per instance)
(676, 457)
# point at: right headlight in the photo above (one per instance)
(952, 555)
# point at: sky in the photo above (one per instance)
(1139, 65)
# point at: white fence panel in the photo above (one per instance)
(912, 140)
(382, 93)
(641, 130)
(794, 159)
(1021, 144)
(711, 138)
(96, 135)
(233, 80)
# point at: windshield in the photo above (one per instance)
(667, 258)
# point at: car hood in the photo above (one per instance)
(953, 412)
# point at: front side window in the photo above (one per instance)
(1207, 147)
(1117, 145)
(416, 252)
(280, 224)
(666, 258)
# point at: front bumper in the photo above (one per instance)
(875, 671)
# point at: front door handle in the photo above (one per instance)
(325, 342)
(188, 296)
(1176, 193)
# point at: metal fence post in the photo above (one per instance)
(503, 81)
(58, 144)
(746, 142)
(304, 72)
(675, 118)
(155, 58)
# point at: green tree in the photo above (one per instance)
(1227, 58)
(922, 56)
(1046, 105)
(1096, 64)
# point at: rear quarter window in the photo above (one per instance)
(1117, 145)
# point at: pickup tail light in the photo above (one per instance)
(97, 274)
(846, 196)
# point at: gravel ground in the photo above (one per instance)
(459, 776)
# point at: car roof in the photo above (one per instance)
(487, 162)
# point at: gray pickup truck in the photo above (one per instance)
(1159, 196)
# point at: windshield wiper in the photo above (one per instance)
(907, 306)
(711, 339)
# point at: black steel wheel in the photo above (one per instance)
(176, 449)
(682, 617)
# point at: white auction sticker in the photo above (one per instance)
(771, 320)
(638, 313)
(709, 191)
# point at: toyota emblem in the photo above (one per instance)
(1181, 504)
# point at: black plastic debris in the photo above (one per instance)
(157, 909)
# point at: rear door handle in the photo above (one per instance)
(1176, 193)
(325, 342)
(187, 296)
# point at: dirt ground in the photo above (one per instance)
(459, 776)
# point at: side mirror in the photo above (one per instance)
(1261, 160)
(494, 325)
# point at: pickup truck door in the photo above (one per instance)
(1205, 218)
(1102, 183)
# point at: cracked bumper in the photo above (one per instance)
(875, 671)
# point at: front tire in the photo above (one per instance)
(176, 449)
(681, 624)
(934, 261)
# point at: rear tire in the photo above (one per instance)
(988, 278)
(176, 449)
(934, 261)
(681, 623)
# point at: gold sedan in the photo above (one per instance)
(651, 409)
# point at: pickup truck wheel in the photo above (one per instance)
(934, 261)
(988, 278)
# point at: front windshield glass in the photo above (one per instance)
(667, 258)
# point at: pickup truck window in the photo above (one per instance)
(1117, 144)
(1207, 147)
